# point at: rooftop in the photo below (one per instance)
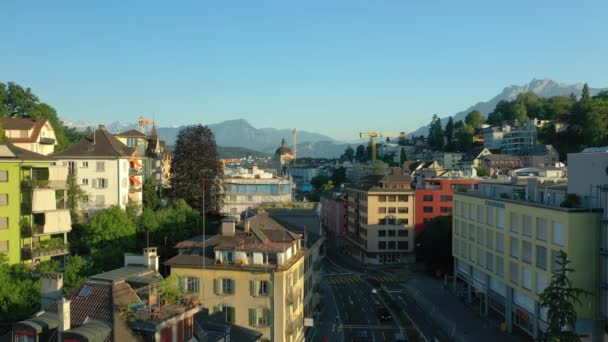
(10, 152)
(103, 144)
(23, 124)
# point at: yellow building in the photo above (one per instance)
(254, 272)
(380, 219)
(506, 238)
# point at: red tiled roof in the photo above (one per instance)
(23, 124)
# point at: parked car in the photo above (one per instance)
(383, 314)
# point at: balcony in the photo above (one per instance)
(291, 296)
(290, 328)
(45, 248)
(47, 141)
(136, 171)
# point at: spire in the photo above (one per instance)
(153, 133)
(283, 142)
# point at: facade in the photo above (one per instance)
(539, 156)
(36, 135)
(333, 213)
(448, 160)
(34, 218)
(492, 137)
(107, 170)
(505, 244)
(380, 219)
(253, 272)
(435, 198)
(246, 189)
(302, 176)
(518, 138)
(500, 164)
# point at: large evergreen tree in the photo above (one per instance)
(195, 160)
(402, 157)
(560, 298)
(585, 94)
(474, 119)
(435, 138)
(449, 134)
(360, 154)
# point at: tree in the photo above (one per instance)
(75, 197)
(319, 181)
(449, 134)
(585, 94)
(465, 138)
(338, 176)
(560, 298)
(148, 222)
(521, 113)
(474, 119)
(19, 293)
(349, 154)
(76, 271)
(149, 194)
(435, 244)
(195, 160)
(378, 168)
(402, 156)
(73, 135)
(360, 154)
(435, 138)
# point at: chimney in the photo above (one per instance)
(228, 228)
(63, 309)
(51, 288)
(151, 258)
(247, 226)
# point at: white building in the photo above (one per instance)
(448, 160)
(492, 137)
(106, 169)
(248, 188)
(519, 138)
(33, 135)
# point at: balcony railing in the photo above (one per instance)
(47, 141)
(134, 171)
(37, 252)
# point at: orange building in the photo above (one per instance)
(435, 198)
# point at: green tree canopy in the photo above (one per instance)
(449, 134)
(149, 194)
(474, 119)
(349, 154)
(19, 293)
(360, 155)
(402, 157)
(435, 244)
(435, 138)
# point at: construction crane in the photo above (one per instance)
(295, 146)
(144, 123)
(372, 139)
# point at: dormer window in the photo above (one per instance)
(228, 256)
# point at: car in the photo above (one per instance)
(383, 314)
(360, 336)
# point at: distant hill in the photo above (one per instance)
(231, 152)
(543, 88)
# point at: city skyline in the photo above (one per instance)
(322, 67)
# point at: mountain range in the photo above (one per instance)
(240, 133)
(543, 88)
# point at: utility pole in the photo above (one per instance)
(204, 239)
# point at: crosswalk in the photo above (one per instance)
(352, 279)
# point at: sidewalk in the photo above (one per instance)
(457, 319)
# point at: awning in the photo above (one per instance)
(92, 331)
(58, 175)
(43, 200)
(136, 162)
(134, 180)
(57, 221)
(40, 324)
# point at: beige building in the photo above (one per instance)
(380, 219)
(253, 272)
(33, 135)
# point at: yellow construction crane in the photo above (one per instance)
(223, 162)
(372, 139)
(144, 123)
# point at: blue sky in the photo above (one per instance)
(334, 67)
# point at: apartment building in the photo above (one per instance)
(333, 213)
(380, 219)
(249, 188)
(36, 135)
(518, 138)
(253, 272)
(506, 237)
(435, 198)
(110, 172)
(34, 218)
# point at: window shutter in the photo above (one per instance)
(252, 288)
(252, 318)
(216, 286)
(197, 282)
(268, 317)
(269, 287)
(232, 314)
(232, 286)
(94, 183)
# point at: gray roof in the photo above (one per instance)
(11, 152)
(124, 273)
(103, 144)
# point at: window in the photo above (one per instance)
(84, 181)
(514, 272)
(259, 288)
(501, 218)
(427, 209)
(514, 248)
(402, 232)
(249, 198)
(541, 282)
(3, 199)
(480, 235)
(382, 198)
(381, 245)
(526, 252)
(514, 223)
(3, 176)
(229, 311)
(479, 213)
(427, 198)
(500, 266)
(100, 200)
(84, 164)
(392, 245)
(445, 210)
(554, 257)
(463, 249)
(233, 198)
(472, 232)
(489, 261)
(403, 245)
(489, 239)
(259, 317)
(3, 222)
(382, 232)
(189, 284)
(456, 227)
(100, 183)
(402, 210)
(490, 215)
(445, 198)
(392, 210)
(527, 226)
(403, 198)
(541, 229)
(4, 246)
(527, 278)
(381, 210)
(392, 198)
(500, 243)
(391, 233)
(100, 166)
(479, 257)
(132, 142)
(228, 256)
(541, 257)
(223, 286)
(558, 233)
(471, 252)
